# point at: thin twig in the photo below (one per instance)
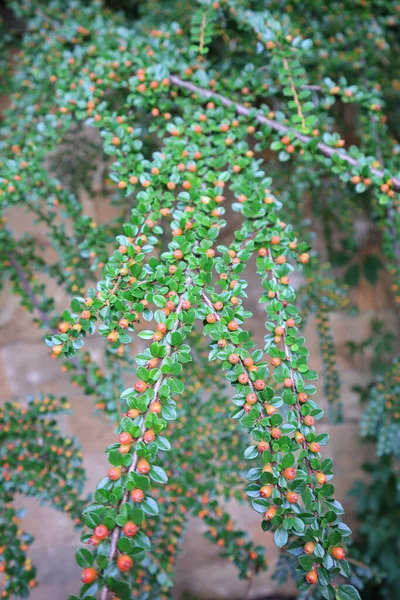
(275, 125)
(248, 587)
(294, 93)
(117, 530)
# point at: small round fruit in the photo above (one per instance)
(88, 575)
(140, 386)
(314, 447)
(292, 497)
(137, 495)
(125, 438)
(309, 547)
(101, 532)
(143, 467)
(114, 473)
(262, 446)
(149, 436)
(130, 529)
(266, 491)
(233, 325)
(270, 513)
(338, 553)
(124, 562)
(276, 433)
(289, 473)
(312, 577)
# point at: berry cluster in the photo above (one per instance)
(177, 116)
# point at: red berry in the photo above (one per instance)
(292, 497)
(233, 325)
(289, 473)
(309, 547)
(125, 438)
(262, 446)
(88, 575)
(270, 513)
(101, 532)
(137, 495)
(338, 553)
(130, 529)
(149, 436)
(276, 433)
(114, 473)
(314, 447)
(312, 576)
(265, 491)
(112, 336)
(124, 562)
(143, 467)
(259, 384)
(140, 386)
(251, 398)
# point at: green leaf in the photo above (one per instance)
(280, 537)
(149, 506)
(84, 558)
(158, 474)
(347, 592)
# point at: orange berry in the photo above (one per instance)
(143, 466)
(137, 495)
(266, 491)
(270, 513)
(124, 562)
(130, 529)
(312, 577)
(114, 473)
(292, 497)
(101, 532)
(88, 575)
(309, 547)
(289, 473)
(338, 553)
(321, 477)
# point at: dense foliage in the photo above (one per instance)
(192, 110)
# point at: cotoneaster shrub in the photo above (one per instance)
(186, 101)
